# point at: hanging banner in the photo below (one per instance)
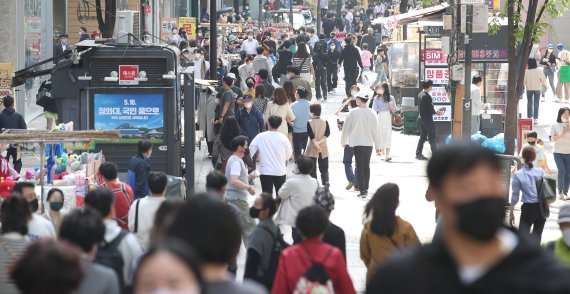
(439, 76)
(445, 112)
(166, 26)
(189, 25)
(433, 57)
(6, 72)
(439, 95)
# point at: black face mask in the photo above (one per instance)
(250, 85)
(480, 219)
(34, 205)
(254, 212)
(531, 143)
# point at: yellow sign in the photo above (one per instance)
(6, 72)
(189, 25)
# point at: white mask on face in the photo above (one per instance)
(564, 120)
(354, 93)
(566, 237)
(248, 105)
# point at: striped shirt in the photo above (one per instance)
(12, 246)
(298, 61)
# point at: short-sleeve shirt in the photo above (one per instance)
(228, 97)
(539, 153)
(298, 61)
(563, 144)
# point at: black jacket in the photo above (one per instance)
(10, 119)
(425, 104)
(371, 41)
(333, 59)
(431, 269)
(285, 57)
(328, 27)
(334, 236)
(351, 58)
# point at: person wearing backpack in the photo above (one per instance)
(312, 266)
(123, 193)
(265, 242)
(560, 248)
(119, 249)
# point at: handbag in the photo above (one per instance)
(546, 192)
(565, 74)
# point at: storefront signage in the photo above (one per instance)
(128, 74)
(434, 57)
(439, 76)
(166, 26)
(189, 25)
(433, 30)
(439, 95)
(446, 112)
(135, 116)
(6, 71)
(525, 127)
(485, 54)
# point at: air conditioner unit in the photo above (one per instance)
(127, 22)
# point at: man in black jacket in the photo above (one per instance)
(285, 57)
(427, 127)
(352, 63)
(10, 119)
(475, 253)
(334, 235)
(328, 25)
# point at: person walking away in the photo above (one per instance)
(328, 25)
(540, 161)
(477, 103)
(348, 104)
(370, 40)
(334, 235)
(143, 210)
(427, 127)
(384, 233)
(139, 167)
(280, 107)
(350, 57)
(312, 255)
(238, 184)
(55, 199)
(533, 80)
(217, 242)
(562, 89)
(317, 150)
(475, 251)
(222, 152)
(246, 71)
(250, 45)
(360, 131)
(123, 193)
(383, 105)
(119, 249)
(524, 181)
(260, 61)
(348, 18)
(548, 63)
(559, 133)
(560, 248)
(379, 63)
(10, 119)
(303, 61)
(228, 99)
(300, 109)
(366, 58)
(285, 60)
(294, 76)
(15, 215)
(84, 228)
(38, 227)
(274, 151)
(265, 81)
(320, 61)
(332, 66)
(262, 241)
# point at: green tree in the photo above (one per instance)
(106, 24)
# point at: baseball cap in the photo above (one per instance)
(549, 46)
(365, 95)
(564, 214)
(232, 75)
(6, 188)
(247, 97)
(324, 198)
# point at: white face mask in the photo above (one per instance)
(248, 105)
(354, 93)
(564, 120)
(566, 236)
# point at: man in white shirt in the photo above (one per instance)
(38, 226)
(141, 213)
(274, 151)
(477, 104)
(360, 131)
(250, 45)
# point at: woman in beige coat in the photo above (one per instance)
(279, 106)
(384, 232)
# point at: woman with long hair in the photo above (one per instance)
(302, 59)
(289, 91)
(221, 152)
(279, 106)
(559, 132)
(383, 104)
(384, 232)
(260, 100)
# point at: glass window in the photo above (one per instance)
(496, 85)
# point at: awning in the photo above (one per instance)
(413, 16)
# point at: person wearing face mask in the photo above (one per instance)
(60, 48)
(174, 38)
(350, 58)
(427, 127)
(548, 63)
(53, 214)
(559, 133)
(383, 104)
(540, 161)
(475, 252)
(525, 181)
(246, 71)
(333, 54)
(560, 248)
(250, 87)
(250, 120)
(342, 112)
(38, 227)
(262, 240)
(250, 44)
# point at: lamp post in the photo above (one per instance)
(467, 103)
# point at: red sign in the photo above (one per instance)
(128, 74)
(433, 57)
(147, 9)
(439, 76)
(525, 127)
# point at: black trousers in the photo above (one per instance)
(531, 215)
(299, 143)
(362, 155)
(350, 77)
(268, 182)
(332, 76)
(323, 164)
(13, 152)
(427, 133)
(321, 82)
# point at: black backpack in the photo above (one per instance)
(278, 246)
(108, 255)
(315, 279)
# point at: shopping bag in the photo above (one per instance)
(565, 74)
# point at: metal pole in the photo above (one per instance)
(319, 18)
(189, 132)
(42, 174)
(290, 12)
(467, 107)
(260, 13)
(213, 41)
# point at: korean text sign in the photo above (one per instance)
(446, 112)
(439, 95)
(439, 76)
(128, 74)
(135, 116)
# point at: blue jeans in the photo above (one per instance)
(347, 160)
(563, 164)
(533, 101)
